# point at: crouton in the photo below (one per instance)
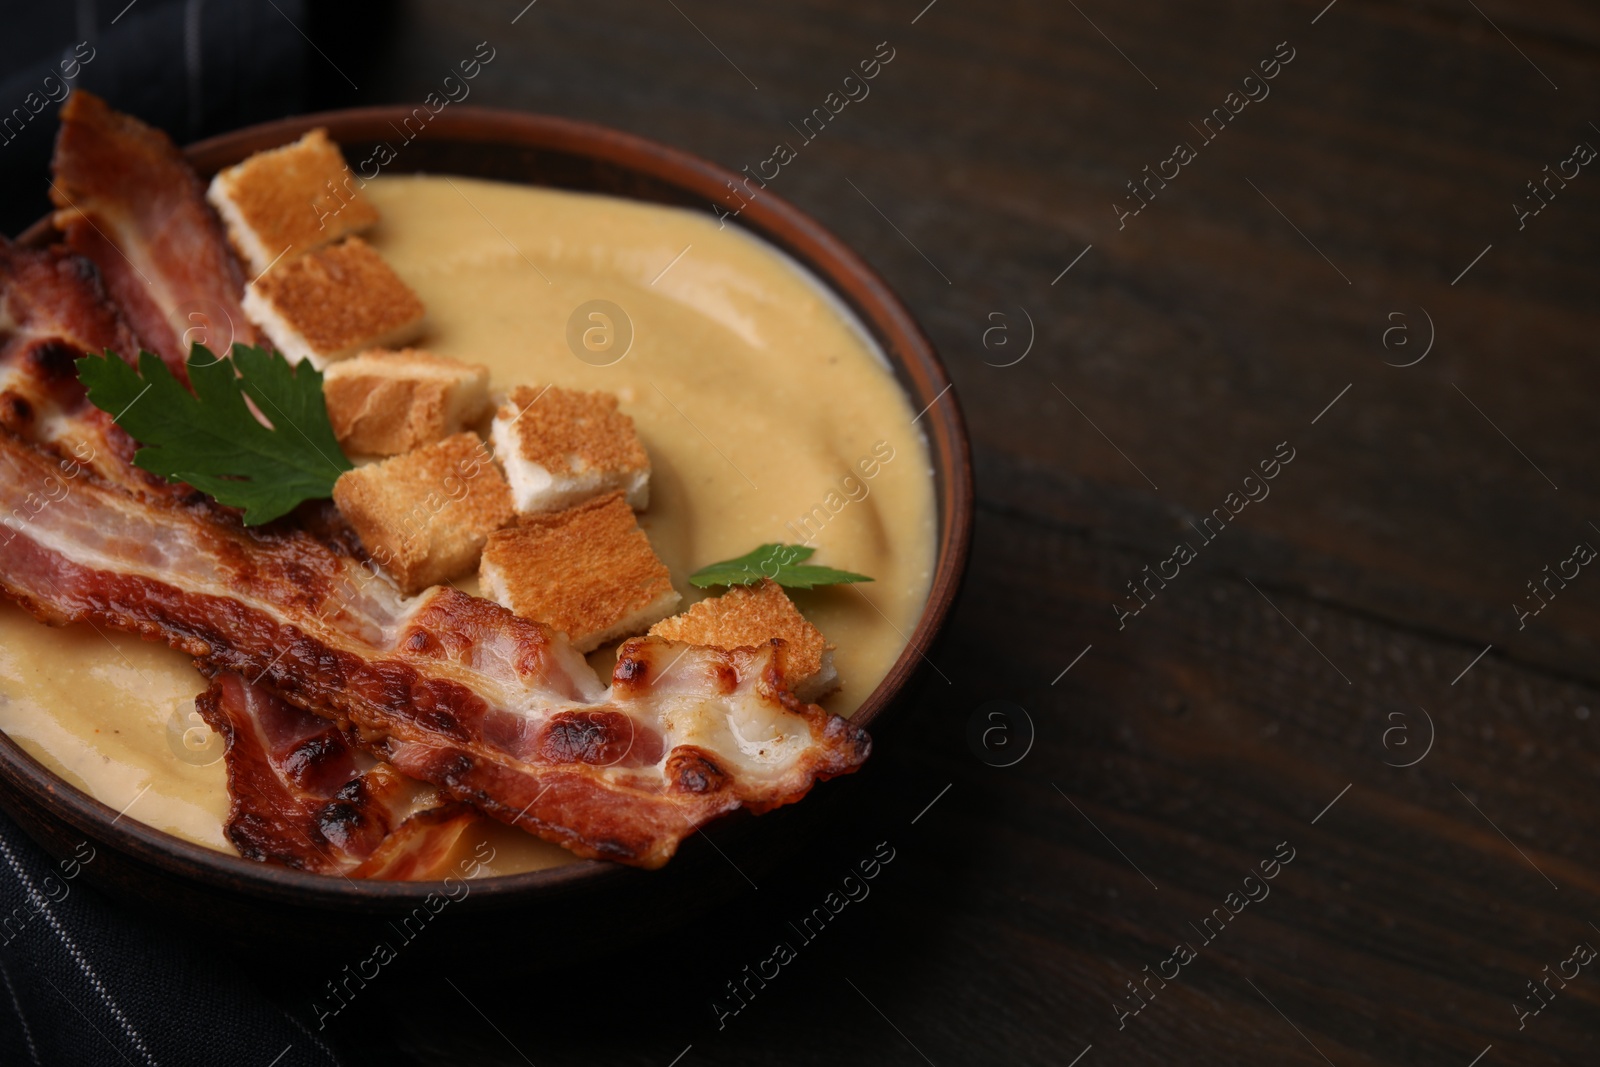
(588, 572)
(562, 446)
(384, 403)
(749, 617)
(332, 303)
(424, 516)
(290, 200)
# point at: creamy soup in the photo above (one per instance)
(767, 412)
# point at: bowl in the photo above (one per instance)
(255, 902)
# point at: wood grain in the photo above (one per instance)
(1254, 689)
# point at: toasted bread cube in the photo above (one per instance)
(588, 572)
(290, 200)
(332, 303)
(560, 447)
(383, 403)
(424, 516)
(749, 617)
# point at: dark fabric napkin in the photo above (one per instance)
(190, 67)
(85, 982)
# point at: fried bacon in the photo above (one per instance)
(53, 309)
(491, 709)
(304, 796)
(130, 203)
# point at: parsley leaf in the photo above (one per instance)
(781, 563)
(211, 439)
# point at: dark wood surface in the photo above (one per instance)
(1265, 695)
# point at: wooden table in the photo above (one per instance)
(1340, 674)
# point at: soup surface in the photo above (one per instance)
(767, 413)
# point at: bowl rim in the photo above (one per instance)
(767, 216)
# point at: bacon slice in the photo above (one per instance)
(131, 204)
(493, 710)
(53, 309)
(304, 797)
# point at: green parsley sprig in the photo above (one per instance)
(210, 438)
(782, 563)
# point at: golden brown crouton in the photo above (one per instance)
(290, 200)
(383, 403)
(749, 617)
(588, 572)
(424, 516)
(332, 303)
(563, 446)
